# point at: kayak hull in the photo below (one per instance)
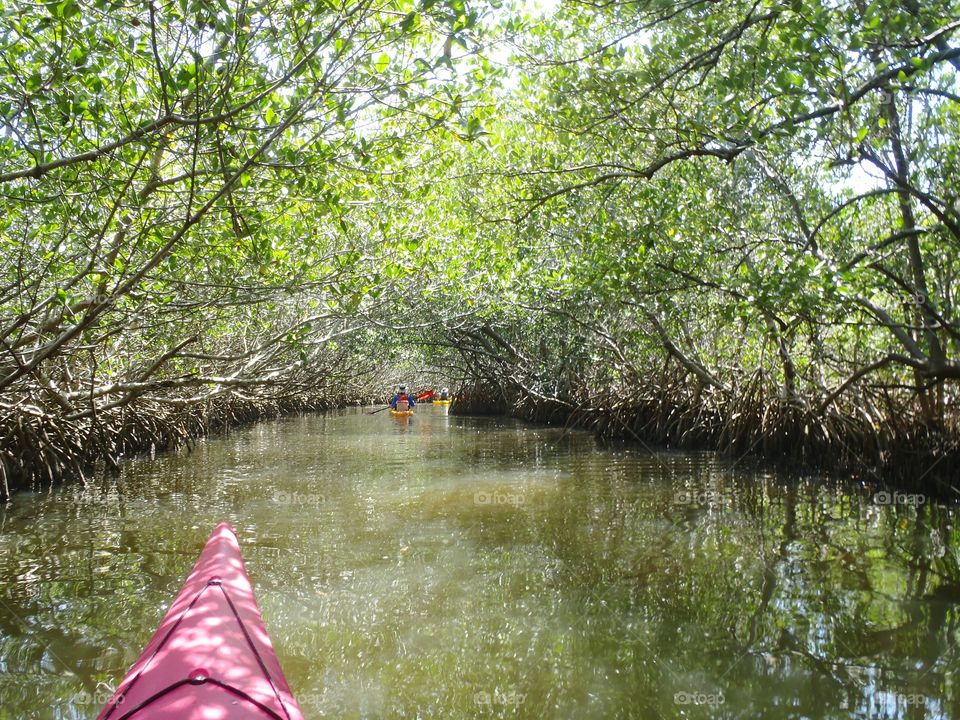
(442, 402)
(211, 657)
(401, 413)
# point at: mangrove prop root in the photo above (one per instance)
(871, 439)
(39, 448)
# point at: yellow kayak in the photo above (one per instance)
(401, 413)
(442, 402)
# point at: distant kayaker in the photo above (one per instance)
(445, 394)
(402, 400)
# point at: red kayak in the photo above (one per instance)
(211, 657)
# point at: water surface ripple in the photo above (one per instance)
(446, 567)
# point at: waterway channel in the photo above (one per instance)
(451, 567)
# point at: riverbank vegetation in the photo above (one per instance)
(722, 225)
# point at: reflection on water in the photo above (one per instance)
(446, 567)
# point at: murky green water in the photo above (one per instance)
(449, 567)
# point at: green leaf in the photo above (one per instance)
(186, 75)
(65, 10)
(409, 22)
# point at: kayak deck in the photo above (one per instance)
(401, 413)
(211, 657)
